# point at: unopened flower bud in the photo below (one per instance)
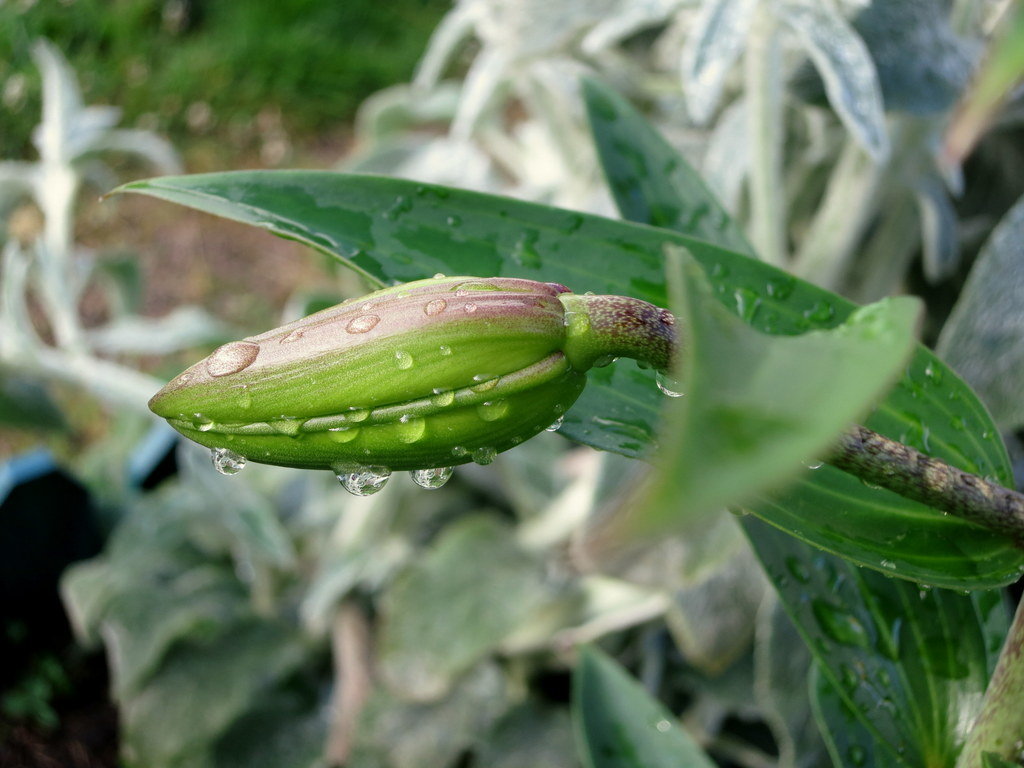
(428, 374)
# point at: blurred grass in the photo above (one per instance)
(205, 68)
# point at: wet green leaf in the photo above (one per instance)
(757, 406)
(391, 229)
(909, 662)
(619, 725)
(849, 741)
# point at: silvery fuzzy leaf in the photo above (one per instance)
(630, 18)
(485, 76)
(727, 156)
(182, 328)
(145, 144)
(939, 230)
(984, 336)
(710, 51)
(455, 27)
(845, 66)
(389, 112)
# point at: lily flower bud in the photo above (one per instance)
(420, 376)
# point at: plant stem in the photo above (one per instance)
(1000, 726)
(880, 461)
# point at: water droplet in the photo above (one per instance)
(486, 382)
(202, 423)
(815, 464)
(492, 410)
(365, 481)
(889, 564)
(840, 625)
(293, 336)
(524, 253)
(848, 677)
(453, 221)
(232, 358)
(555, 425)
(431, 478)
(799, 570)
(411, 428)
(663, 726)
(459, 451)
(780, 288)
(401, 205)
(442, 398)
(444, 350)
(362, 323)
(439, 275)
(226, 461)
(470, 308)
(286, 426)
(404, 360)
(244, 397)
(668, 385)
(343, 434)
(484, 455)
(435, 307)
(820, 312)
(576, 323)
(356, 415)
(857, 754)
(747, 303)
(604, 360)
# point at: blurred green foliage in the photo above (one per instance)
(196, 65)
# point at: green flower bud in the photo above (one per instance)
(421, 376)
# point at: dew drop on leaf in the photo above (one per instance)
(432, 478)
(226, 461)
(365, 481)
(668, 385)
(556, 424)
(484, 455)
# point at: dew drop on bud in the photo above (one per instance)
(444, 350)
(492, 410)
(668, 385)
(365, 481)
(442, 398)
(404, 360)
(293, 336)
(439, 275)
(556, 424)
(484, 383)
(232, 358)
(343, 434)
(470, 308)
(411, 428)
(363, 323)
(202, 423)
(435, 307)
(431, 478)
(226, 461)
(484, 455)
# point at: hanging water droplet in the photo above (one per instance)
(343, 434)
(431, 478)
(231, 358)
(668, 385)
(365, 481)
(484, 455)
(411, 428)
(604, 361)
(226, 461)
(404, 360)
(555, 425)
(442, 398)
(362, 323)
(460, 451)
(435, 307)
(492, 410)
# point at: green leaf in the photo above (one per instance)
(758, 407)
(618, 724)
(650, 180)
(910, 662)
(396, 230)
(475, 578)
(848, 740)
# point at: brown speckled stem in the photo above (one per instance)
(899, 468)
(618, 326)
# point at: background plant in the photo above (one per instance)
(206, 583)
